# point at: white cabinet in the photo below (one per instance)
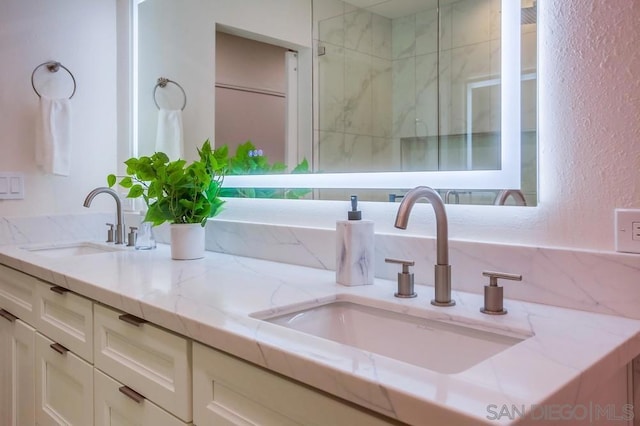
(17, 385)
(229, 391)
(64, 386)
(151, 360)
(116, 404)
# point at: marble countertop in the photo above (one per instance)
(211, 300)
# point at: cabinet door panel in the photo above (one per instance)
(17, 383)
(227, 390)
(113, 408)
(64, 386)
(17, 293)
(66, 318)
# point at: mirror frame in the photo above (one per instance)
(507, 177)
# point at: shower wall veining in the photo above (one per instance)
(377, 91)
(354, 91)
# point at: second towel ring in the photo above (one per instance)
(162, 82)
(53, 66)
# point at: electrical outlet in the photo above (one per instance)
(627, 230)
(635, 229)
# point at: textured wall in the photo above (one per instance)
(589, 118)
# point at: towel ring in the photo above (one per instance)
(53, 66)
(162, 82)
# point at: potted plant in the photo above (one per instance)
(185, 195)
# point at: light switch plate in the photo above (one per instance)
(11, 186)
(627, 230)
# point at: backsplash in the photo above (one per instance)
(603, 282)
(39, 229)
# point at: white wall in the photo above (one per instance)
(82, 36)
(184, 33)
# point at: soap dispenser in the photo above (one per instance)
(354, 248)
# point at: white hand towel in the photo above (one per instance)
(53, 139)
(169, 136)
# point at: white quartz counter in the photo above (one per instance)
(210, 300)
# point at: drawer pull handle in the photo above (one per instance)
(132, 319)
(59, 348)
(8, 315)
(131, 394)
(59, 290)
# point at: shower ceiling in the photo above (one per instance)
(396, 8)
(393, 9)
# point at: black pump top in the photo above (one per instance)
(354, 213)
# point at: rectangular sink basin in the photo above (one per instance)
(438, 346)
(73, 249)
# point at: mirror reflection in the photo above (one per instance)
(399, 86)
(415, 87)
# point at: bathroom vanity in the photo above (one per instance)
(93, 334)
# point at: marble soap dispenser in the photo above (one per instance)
(354, 248)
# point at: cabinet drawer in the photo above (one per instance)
(17, 293)
(154, 362)
(229, 391)
(64, 386)
(66, 318)
(113, 406)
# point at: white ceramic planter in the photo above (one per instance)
(187, 241)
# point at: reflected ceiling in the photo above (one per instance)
(393, 9)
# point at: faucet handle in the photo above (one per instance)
(133, 235)
(493, 293)
(110, 232)
(405, 278)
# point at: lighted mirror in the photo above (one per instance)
(387, 96)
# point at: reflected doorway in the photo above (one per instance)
(252, 99)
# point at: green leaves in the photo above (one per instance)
(174, 191)
(126, 182)
(136, 191)
(303, 167)
(249, 160)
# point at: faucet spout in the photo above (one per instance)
(516, 194)
(442, 267)
(120, 217)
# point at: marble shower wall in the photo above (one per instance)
(470, 32)
(353, 90)
(469, 44)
